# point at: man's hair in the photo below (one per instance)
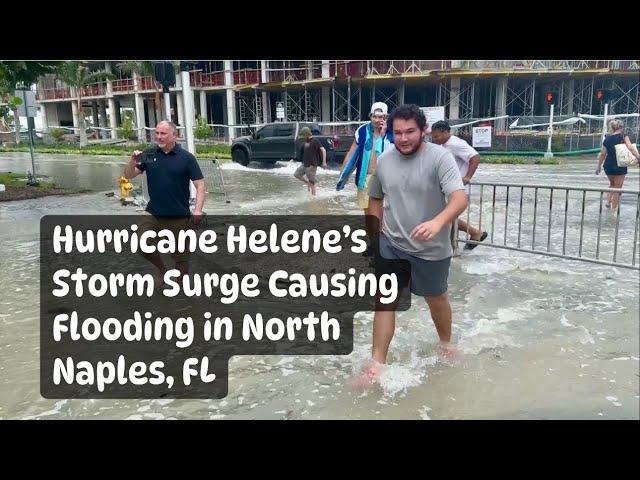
(305, 132)
(441, 126)
(409, 111)
(173, 126)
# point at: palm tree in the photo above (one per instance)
(78, 76)
(145, 68)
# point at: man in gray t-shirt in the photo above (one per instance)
(416, 193)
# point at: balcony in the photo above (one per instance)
(59, 93)
(147, 83)
(122, 85)
(94, 90)
(538, 65)
(202, 80)
(246, 77)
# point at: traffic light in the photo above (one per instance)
(164, 74)
(549, 97)
(601, 94)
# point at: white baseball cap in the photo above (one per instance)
(379, 107)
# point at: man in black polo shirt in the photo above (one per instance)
(169, 168)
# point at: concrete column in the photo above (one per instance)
(140, 124)
(203, 106)
(113, 118)
(454, 96)
(501, 102)
(326, 104)
(107, 67)
(189, 119)
(167, 106)
(266, 108)
(189, 112)
(264, 78)
(94, 114)
(179, 104)
(325, 69)
(231, 98)
(139, 108)
(43, 117)
(74, 115)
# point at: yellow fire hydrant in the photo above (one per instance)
(125, 187)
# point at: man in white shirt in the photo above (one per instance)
(467, 159)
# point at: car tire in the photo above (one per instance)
(240, 156)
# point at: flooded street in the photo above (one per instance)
(539, 337)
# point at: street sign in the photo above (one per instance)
(481, 137)
(28, 106)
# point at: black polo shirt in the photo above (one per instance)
(168, 176)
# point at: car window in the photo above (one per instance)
(284, 130)
(265, 132)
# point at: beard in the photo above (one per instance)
(413, 150)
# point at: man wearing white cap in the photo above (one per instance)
(371, 139)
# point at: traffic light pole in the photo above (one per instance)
(549, 153)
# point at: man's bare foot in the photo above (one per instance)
(447, 353)
(369, 376)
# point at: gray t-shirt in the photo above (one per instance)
(415, 188)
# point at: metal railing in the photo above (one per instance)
(570, 220)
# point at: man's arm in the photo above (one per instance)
(348, 154)
(132, 170)
(473, 166)
(375, 209)
(429, 229)
(200, 193)
(324, 157)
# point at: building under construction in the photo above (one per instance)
(236, 93)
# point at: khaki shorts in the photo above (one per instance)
(363, 194)
(150, 222)
(310, 172)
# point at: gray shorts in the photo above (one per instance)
(310, 172)
(427, 278)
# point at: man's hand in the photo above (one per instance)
(598, 170)
(426, 231)
(196, 218)
(465, 180)
(135, 156)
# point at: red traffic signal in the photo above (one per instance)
(549, 97)
(600, 95)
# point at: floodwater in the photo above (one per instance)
(538, 337)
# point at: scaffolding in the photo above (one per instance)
(250, 108)
(301, 105)
(346, 102)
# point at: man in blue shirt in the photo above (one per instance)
(169, 169)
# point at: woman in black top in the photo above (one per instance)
(607, 154)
